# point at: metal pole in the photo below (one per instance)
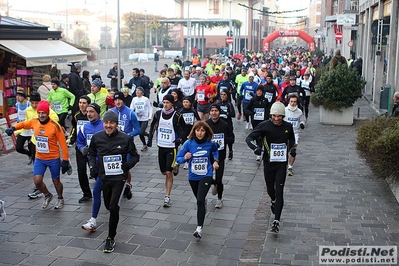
(145, 36)
(118, 43)
(188, 30)
(106, 35)
(230, 27)
(246, 27)
(66, 22)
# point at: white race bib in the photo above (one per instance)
(294, 121)
(121, 126)
(201, 96)
(88, 139)
(219, 139)
(113, 164)
(42, 144)
(188, 118)
(139, 107)
(278, 152)
(199, 166)
(80, 124)
(165, 136)
(259, 114)
(57, 106)
(269, 96)
(248, 95)
(186, 90)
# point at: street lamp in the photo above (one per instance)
(188, 30)
(145, 36)
(230, 26)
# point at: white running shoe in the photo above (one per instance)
(246, 126)
(219, 204)
(198, 232)
(59, 204)
(91, 225)
(185, 167)
(258, 158)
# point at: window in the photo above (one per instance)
(215, 6)
(355, 5)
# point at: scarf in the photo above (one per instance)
(168, 112)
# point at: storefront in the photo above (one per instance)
(28, 54)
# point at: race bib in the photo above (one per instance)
(219, 139)
(57, 106)
(248, 95)
(186, 90)
(294, 121)
(113, 164)
(121, 125)
(188, 118)
(201, 96)
(80, 125)
(269, 96)
(199, 166)
(165, 136)
(259, 114)
(278, 152)
(88, 139)
(42, 144)
(173, 86)
(139, 107)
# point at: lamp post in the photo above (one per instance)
(145, 36)
(246, 26)
(188, 30)
(230, 28)
(106, 35)
(66, 22)
(118, 43)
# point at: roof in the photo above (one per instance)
(18, 29)
(6, 22)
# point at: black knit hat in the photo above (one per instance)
(119, 95)
(95, 107)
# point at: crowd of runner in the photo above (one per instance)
(191, 121)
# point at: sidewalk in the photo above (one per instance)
(332, 199)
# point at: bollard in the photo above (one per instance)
(358, 112)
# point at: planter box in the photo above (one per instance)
(333, 117)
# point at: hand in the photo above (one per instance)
(293, 152)
(64, 166)
(187, 156)
(178, 141)
(258, 151)
(125, 167)
(10, 131)
(72, 141)
(84, 150)
(155, 104)
(93, 172)
(302, 126)
(215, 165)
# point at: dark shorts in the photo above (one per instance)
(203, 108)
(166, 158)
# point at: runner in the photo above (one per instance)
(98, 97)
(84, 138)
(278, 138)
(187, 85)
(49, 137)
(22, 105)
(248, 92)
(228, 112)
(199, 150)
(203, 94)
(294, 116)
(240, 79)
(168, 125)
(222, 135)
(108, 152)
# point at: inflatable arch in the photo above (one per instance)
(289, 33)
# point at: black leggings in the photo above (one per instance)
(112, 193)
(306, 103)
(275, 174)
(21, 143)
(218, 181)
(200, 189)
(61, 118)
(143, 127)
(239, 103)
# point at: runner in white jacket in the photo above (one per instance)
(295, 116)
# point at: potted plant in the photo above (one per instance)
(336, 92)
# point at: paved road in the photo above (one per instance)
(332, 199)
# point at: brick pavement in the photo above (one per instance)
(331, 199)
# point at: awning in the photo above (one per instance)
(43, 52)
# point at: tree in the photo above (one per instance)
(80, 38)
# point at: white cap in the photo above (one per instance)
(263, 66)
(251, 74)
(198, 68)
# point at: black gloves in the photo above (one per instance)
(84, 150)
(10, 131)
(64, 166)
(155, 104)
(258, 151)
(125, 167)
(293, 152)
(93, 172)
(177, 141)
(302, 126)
(72, 140)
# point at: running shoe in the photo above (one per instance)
(91, 225)
(145, 148)
(47, 200)
(109, 245)
(244, 118)
(127, 193)
(246, 126)
(275, 226)
(290, 172)
(166, 202)
(238, 116)
(35, 194)
(30, 160)
(250, 126)
(219, 204)
(273, 203)
(69, 171)
(185, 167)
(230, 155)
(59, 204)
(258, 158)
(198, 232)
(2, 211)
(84, 199)
(176, 169)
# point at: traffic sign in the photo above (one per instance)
(229, 40)
(350, 43)
(338, 36)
